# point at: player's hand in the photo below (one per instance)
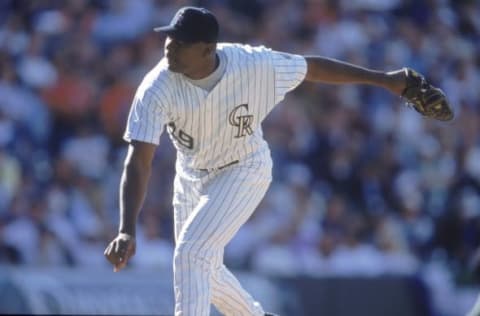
(426, 99)
(418, 93)
(120, 250)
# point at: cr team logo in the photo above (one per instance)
(240, 118)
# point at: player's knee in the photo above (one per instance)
(192, 252)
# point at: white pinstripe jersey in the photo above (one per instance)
(211, 129)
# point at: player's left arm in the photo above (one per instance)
(329, 70)
(427, 99)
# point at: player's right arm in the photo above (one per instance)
(145, 124)
(133, 184)
(133, 188)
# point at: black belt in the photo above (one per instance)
(222, 167)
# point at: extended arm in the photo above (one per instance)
(427, 99)
(328, 70)
(133, 188)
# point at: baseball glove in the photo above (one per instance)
(425, 98)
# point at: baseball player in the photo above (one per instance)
(212, 98)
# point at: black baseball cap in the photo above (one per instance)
(192, 24)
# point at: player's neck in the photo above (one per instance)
(207, 68)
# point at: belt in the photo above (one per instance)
(222, 167)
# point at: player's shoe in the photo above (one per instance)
(270, 314)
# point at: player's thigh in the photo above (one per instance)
(224, 206)
(185, 199)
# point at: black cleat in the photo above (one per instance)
(270, 314)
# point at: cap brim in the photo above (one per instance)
(165, 29)
(172, 32)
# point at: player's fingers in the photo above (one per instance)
(123, 263)
(126, 251)
(117, 246)
(116, 268)
(117, 265)
(108, 250)
(111, 254)
(120, 265)
(113, 258)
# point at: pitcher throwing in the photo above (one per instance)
(212, 98)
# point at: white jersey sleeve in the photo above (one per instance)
(290, 70)
(147, 117)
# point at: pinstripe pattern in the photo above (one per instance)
(212, 207)
(256, 76)
(209, 130)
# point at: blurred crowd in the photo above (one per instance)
(362, 184)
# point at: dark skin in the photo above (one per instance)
(196, 61)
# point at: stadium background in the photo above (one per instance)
(372, 207)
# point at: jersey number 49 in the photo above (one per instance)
(181, 137)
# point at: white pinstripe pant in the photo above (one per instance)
(209, 208)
